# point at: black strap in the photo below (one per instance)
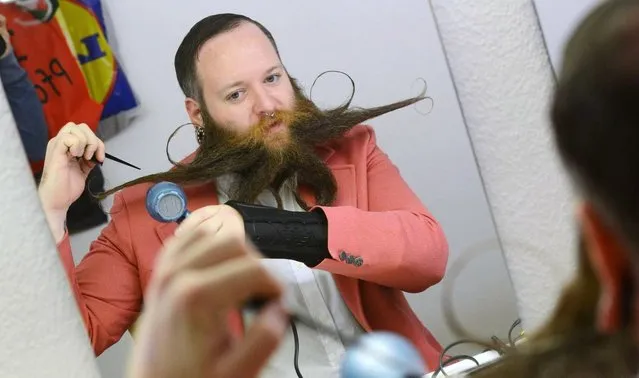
(282, 234)
(3, 46)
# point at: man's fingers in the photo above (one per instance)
(80, 149)
(205, 233)
(175, 246)
(206, 251)
(223, 286)
(249, 356)
(100, 152)
(199, 250)
(93, 142)
(81, 128)
(196, 218)
(70, 143)
(90, 149)
(89, 143)
(74, 140)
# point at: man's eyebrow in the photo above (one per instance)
(238, 83)
(235, 84)
(275, 67)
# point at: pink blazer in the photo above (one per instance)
(382, 239)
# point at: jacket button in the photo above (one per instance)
(350, 259)
(358, 262)
(342, 255)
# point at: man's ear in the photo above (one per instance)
(610, 263)
(194, 111)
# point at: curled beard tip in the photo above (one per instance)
(347, 104)
(300, 201)
(423, 96)
(422, 93)
(168, 142)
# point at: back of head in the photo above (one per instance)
(205, 29)
(595, 120)
(595, 113)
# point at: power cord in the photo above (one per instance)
(259, 303)
(296, 356)
(500, 347)
(457, 358)
(510, 333)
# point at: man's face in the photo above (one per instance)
(243, 82)
(258, 124)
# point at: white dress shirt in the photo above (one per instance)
(313, 294)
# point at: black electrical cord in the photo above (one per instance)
(257, 304)
(499, 348)
(461, 357)
(510, 332)
(457, 358)
(296, 356)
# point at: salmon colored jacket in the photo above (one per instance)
(382, 239)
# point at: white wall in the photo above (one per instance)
(41, 332)
(504, 81)
(385, 50)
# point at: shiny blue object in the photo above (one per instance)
(382, 355)
(166, 202)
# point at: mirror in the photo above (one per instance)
(387, 60)
(558, 20)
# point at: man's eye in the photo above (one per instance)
(273, 78)
(233, 96)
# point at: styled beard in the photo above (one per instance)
(261, 163)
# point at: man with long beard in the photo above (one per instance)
(329, 212)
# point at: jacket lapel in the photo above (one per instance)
(344, 177)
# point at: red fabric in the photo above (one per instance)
(44, 53)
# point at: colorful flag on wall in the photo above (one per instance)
(63, 46)
(43, 51)
(85, 24)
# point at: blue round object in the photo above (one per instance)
(382, 355)
(166, 202)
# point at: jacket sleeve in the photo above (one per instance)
(106, 283)
(396, 243)
(26, 108)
